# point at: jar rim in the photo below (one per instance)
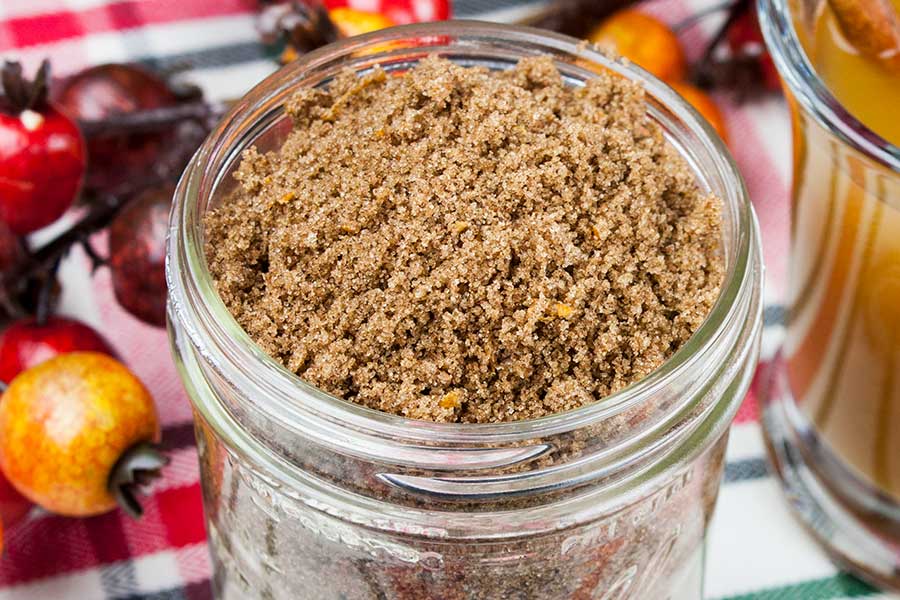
(778, 28)
(196, 306)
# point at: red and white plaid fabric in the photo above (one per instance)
(164, 555)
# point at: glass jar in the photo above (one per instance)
(310, 496)
(832, 411)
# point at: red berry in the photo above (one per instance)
(26, 343)
(745, 37)
(137, 252)
(42, 161)
(76, 434)
(104, 90)
(13, 505)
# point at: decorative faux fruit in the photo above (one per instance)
(745, 38)
(26, 343)
(77, 434)
(304, 26)
(350, 22)
(115, 89)
(644, 40)
(42, 153)
(137, 253)
(704, 105)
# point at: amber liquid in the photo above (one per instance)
(843, 343)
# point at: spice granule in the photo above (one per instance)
(461, 245)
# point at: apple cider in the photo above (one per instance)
(831, 409)
(843, 346)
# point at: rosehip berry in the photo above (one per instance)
(137, 254)
(645, 41)
(42, 154)
(350, 22)
(27, 343)
(745, 37)
(704, 105)
(76, 434)
(109, 89)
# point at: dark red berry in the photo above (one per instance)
(110, 89)
(137, 252)
(42, 154)
(26, 343)
(745, 37)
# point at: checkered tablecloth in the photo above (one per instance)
(755, 549)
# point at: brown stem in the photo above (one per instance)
(99, 216)
(97, 261)
(700, 15)
(137, 468)
(155, 119)
(39, 268)
(742, 73)
(45, 294)
(737, 10)
(11, 306)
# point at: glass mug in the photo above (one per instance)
(308, 494)
(832, 411)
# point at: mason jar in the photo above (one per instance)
(832, 412)
(310, 496)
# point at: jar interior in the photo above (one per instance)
(695, 392)
(303, 491)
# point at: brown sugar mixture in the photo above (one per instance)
(463, 245)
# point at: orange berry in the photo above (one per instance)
(704, 105)
(288, 54)
(350, 22)
(643, 40)
(64, 425)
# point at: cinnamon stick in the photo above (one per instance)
(872, 27)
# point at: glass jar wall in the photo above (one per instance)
(307, 494)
